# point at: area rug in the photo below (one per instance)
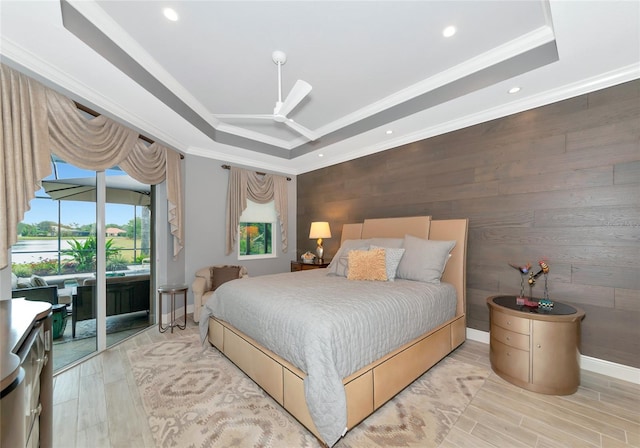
(195, 397)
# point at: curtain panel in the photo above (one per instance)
(37, 121)
(25, 160)
(260, 188)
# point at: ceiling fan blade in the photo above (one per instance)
(300, 90)
(302, 130)
(247, 116)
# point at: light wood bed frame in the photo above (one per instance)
(373, 385)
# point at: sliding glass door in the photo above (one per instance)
(128, 256)
(85, 246)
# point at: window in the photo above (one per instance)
(256, 231)
(58, 233)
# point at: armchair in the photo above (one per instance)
(208, 279)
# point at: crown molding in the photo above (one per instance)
(254, 135)
(96, 15)
(99, 18)
(61, 80)
(110, 28)
(609, 79)
(522, 44)
(249, 161)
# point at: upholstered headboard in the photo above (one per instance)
(423, 227)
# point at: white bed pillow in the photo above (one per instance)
(424, 260)
(392, 258)
(340, 263)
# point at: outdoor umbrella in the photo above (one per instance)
(120, 190)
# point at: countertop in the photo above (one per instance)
(17, 317)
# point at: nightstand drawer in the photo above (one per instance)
(536, 350)
(299, 266)
(509, 322)
(510, 361)
(510, 338)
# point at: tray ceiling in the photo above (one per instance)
(374, 67)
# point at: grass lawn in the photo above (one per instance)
(121, 242)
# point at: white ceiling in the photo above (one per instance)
(374, 66)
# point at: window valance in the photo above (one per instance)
(36, 121)
(260, 188)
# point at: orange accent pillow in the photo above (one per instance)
(367, 265)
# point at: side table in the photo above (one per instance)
(300, 266)
(172, 290)
(533, 348)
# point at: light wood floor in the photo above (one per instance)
(96, 404)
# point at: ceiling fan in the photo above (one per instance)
(299, 91)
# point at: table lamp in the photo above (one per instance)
(320, 230)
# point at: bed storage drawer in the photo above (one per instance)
(458, 331)
(255, 363)
(359, 398)
(295, 402)
(216, 334)
(404, 367)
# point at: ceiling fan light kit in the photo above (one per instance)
(282, 108)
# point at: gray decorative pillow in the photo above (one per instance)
(38, 281)
(14, 281)
(392, 259)
(424, 260)
(340, 263)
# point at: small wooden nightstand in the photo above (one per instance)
(534, 348)
(300, 266)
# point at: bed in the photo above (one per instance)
(292, 333)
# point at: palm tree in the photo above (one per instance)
(84, 252)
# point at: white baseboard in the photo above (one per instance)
(477, 335)
(166, 317)
(618, 371)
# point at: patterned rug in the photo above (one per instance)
(195, 397)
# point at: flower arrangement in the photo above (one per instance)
(525, 271)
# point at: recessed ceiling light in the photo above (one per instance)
(320, 155)
(449, 31)
(170, 14)
(389, 132)
(514, 89)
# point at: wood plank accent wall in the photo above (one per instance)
(560, 182)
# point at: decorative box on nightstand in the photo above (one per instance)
(299, 266)
(536, 349)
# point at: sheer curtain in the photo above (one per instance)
(260, 188)
(36, 121)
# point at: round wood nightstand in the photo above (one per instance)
(533, 348)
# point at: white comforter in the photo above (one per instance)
(329, 326)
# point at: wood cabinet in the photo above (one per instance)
(299, 266)
(533, 348)
(27, 374)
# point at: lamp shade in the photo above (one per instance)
(320, 229)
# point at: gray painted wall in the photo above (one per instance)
(205, 208)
